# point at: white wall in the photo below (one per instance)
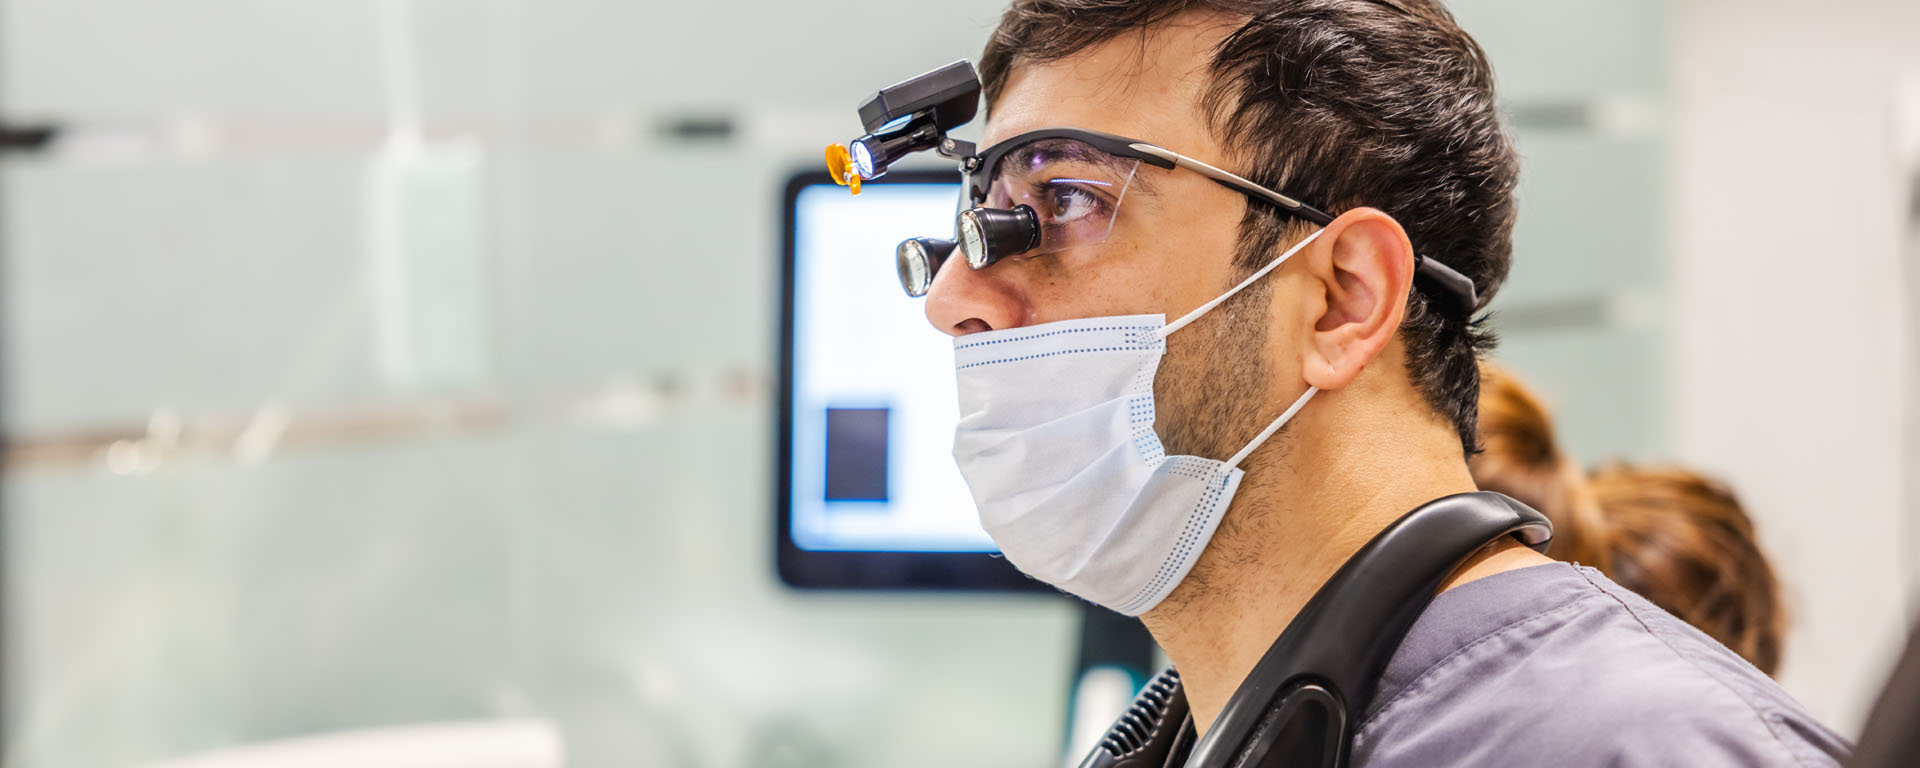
(1789, 310)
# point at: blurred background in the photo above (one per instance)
(379, 363)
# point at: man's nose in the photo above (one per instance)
(964, 300)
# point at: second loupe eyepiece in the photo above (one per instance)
(919, 260)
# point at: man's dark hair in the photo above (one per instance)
(1340, 103)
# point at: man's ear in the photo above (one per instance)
(1364, 264)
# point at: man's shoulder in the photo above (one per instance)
(1557, 660)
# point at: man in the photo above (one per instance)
(1379, 111)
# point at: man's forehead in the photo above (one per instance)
(1144, 84)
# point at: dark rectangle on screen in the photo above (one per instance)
(857, 454)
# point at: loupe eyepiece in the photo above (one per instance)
(988, 235)
(918, 260)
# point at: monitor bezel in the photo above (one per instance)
(859, 569)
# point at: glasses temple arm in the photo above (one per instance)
(1233, 180)
(1447, 277)
(1450, 279)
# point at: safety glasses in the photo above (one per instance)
(1056, 189)
(1043, 192)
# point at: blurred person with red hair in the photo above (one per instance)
(1677, 538)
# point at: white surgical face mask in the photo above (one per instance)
(1056, 443)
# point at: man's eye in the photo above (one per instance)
(1070, 203)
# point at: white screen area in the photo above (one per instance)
(863, 351)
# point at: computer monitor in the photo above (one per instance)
(867, 494)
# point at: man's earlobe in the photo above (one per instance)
(1366, 269)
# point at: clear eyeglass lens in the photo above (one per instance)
(1074, 188)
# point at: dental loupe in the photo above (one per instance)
(911, 116)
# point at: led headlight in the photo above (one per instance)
(863, 157)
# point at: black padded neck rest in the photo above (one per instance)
(1301, 702)
(1332, 654)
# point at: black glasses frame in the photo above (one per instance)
(978, 168)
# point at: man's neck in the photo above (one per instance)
(1284, 536)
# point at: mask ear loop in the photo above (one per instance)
(1189, 317)
(1272, 428)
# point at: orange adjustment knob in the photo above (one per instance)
(840, 167)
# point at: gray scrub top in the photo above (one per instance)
(1557, 665)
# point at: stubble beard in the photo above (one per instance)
(1211, 400)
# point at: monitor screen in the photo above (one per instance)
(868, 493)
